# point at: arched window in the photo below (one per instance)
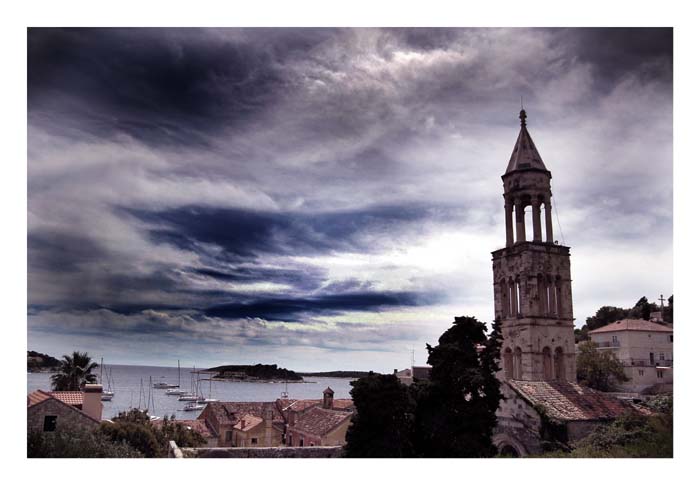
(518, 364)
(547, 363)
(508, 363)
(559, 368)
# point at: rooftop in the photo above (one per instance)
(632, 325)
(319, 422)
(525, 154)
(73, 398)
(566, 401)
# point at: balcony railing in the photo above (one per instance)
(648, 363)
(607, 344)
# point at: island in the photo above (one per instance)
(38, 362)
(349, 374)
(254, 373)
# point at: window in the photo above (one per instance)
(661, 356)
(641, 372)
(229, 434)
(660, 374)
(670, 338)
(651, 358)
(301, 441)
(253, 441)
(614, 339)
(50, 423)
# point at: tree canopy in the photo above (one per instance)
(598, 369)
(452, 414)
(77, 443)
(74, 372)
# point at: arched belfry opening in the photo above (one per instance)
(532, 278)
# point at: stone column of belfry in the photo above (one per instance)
(548, 218)
(536, 221)
(509, 223)
(519, 220)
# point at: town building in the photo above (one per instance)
(533, 301)
(645, 349)
(48, 411)
(416, 372)
(284, 422)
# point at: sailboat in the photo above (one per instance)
(151, 404)
(176, 391)
(192, 395)
(107, 394)
(203, 400)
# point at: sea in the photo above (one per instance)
(130, 384)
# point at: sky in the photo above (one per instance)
(327, 198)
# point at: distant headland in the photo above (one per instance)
(270, 372)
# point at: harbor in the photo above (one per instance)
(130, 385)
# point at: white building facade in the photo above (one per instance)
(645, 349)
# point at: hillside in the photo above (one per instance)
(37, 361)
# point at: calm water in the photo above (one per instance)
(127, 389)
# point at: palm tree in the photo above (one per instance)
(74, 372)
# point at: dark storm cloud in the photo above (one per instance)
(160, 86)
(247, 234)
(297, 309)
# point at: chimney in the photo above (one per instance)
(328, 398)
(92, 401)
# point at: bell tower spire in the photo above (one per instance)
(532, 276)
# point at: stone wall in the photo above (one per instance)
(276, 452)
(518, 424)
(67, 416)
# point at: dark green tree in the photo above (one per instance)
(668, 311)
(456, 410)
(76, 443)
(74, 372)
(382, 425)
(642, 309)
(135, 428)
(598, 369)
(604, 316)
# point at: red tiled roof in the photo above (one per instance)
(319, 422)
(231, 412)
(634, 325)
(567, 401)
(74, 398)
(304, 404)
(36, 397)
(247, 422)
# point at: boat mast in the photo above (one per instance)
(178, 373)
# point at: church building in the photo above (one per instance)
(533, 300)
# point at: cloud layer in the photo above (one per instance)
(242, 191)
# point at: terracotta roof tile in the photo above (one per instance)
(247, 422)
(36, 397)
(319, 422)
(231, 412)
(634, 325)
(567, 401)
(74, 398)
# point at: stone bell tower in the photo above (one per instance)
(532, 275)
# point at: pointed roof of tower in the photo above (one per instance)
(525, 154)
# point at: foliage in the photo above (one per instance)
(604, 316)
(382, 426)
(630, 436)
(600, 370)
(76, 443)
(74, 372)
(456, 409)
(136, 429)
(668, 310)
(452, 414)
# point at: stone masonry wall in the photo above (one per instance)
(275, 452)
(67, 417)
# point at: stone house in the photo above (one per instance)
(48, 411)
(324, 425)
(645, 349)
(533, 301)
